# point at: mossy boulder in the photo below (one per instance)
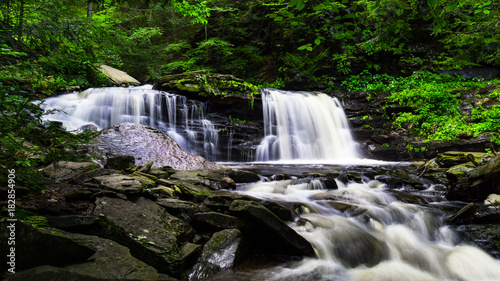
(203, 84)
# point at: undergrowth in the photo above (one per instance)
(435, 100)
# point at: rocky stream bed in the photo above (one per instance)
(133, 217)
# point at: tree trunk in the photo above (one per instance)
(89, 10)
(20, 26)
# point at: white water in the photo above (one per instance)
(305, 126)
(181, 119)
(371, 236)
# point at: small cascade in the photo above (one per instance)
(304, 126)
(182, 119)
(361, 232)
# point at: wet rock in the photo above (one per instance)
(464, 215)
(487, 237)
(151, 233)
(147, 144)
(120, 162)
(222, 203)
(277, 233)
(190, 253)
(474, 183)
(179, 208)
(88, 127)
(222, 252)
(64, 170)
(213, 221)
(241, 176)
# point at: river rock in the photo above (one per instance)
(223, 251)
(213, 221)
(241, 176)
(151, 233)
(146, 144)
(179, 208)
(272, 231)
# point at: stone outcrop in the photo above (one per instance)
(146, 144)
(174, 223)
(118, 77)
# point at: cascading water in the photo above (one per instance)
(304, 126)
(181, 119)
(361, 232)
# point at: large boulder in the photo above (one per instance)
(49, 254)
(151, 233)
(274, 234)
(146, 144)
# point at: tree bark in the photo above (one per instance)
(89, 10)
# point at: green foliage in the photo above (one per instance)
(27, 142)
(435, 100)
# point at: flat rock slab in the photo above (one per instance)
(64, 170)
(146, 144)
(118, 77)
(120, 183)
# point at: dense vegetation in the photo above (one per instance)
(46, 46)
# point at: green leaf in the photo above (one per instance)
(301, 4)
(432, 3)
(292, 2)
(452, 6)
(278, 18)
(399, 12)
(317, 41)
(487, 12)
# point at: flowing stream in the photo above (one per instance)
(362, 232)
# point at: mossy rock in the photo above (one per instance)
(205, 84)
(452, 158)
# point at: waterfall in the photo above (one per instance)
(304, 126)
(182, 119)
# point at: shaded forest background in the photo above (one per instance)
(49, 45)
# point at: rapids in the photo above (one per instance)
(361, 232)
